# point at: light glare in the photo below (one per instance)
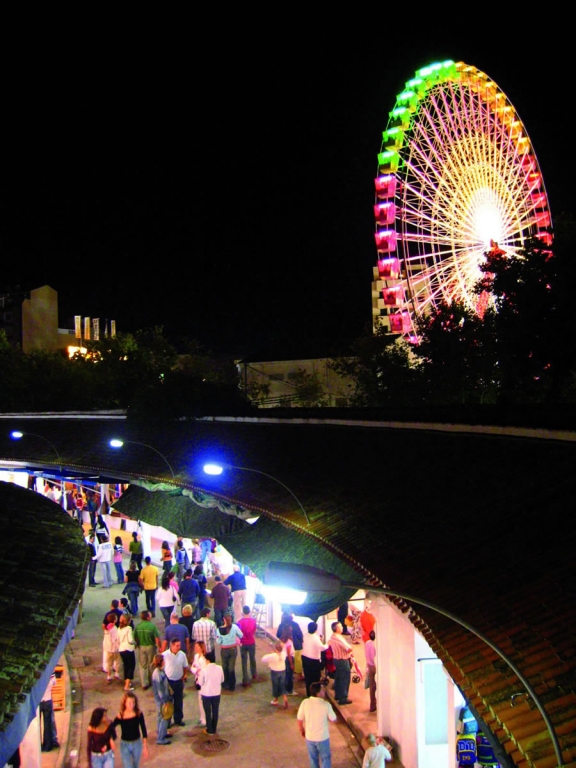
(213, 469)
(284, 595)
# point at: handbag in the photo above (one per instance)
(167, 710)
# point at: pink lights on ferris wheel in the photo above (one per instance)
(389, 268)
(385, 186)
(385, 213)
(386, 241)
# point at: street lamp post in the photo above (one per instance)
(309, 579)
(217, 469)
(16, 434)
(116, 443)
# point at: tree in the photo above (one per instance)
(308, 390)
(383, 369)
(534, 329)
(456, 348)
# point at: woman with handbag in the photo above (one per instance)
(166, 599)
(134, 741)
(100, 742)
(163, 700)
(196, 668)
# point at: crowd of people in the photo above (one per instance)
(163, 658)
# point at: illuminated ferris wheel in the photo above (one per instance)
(457, 177)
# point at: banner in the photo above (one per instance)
(96, 329)
(78, 326)
(87, 328)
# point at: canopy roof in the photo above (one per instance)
(44, 560)
(478, 524)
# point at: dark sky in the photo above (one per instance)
(226, 193)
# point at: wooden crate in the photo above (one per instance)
(59, 689)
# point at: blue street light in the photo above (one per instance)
(217, 469)
(116, 443)
(16, 434)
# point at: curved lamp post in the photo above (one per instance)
(16, 434)
(217, 469)
(309, 579)
(116, 443)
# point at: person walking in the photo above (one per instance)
(277, 663)
(237, 583)
(110, 646)
(101, 529)
(101, 740)
(134, 586)
(117, 559)
(313, 717)
(162, 695)
(49, 734)
(341, 653)
(126, 645)
(370, 651)
(182, 559)
(166, 558)
(176, 668)
(312, 648)
(166, 598)
(189, 591)
(135, 549)
(220, 600)
(92, 563)
(200, 577)
(227, 638)
(149, 576)
(134, 736)
(286, 640)
(104, 557)
(204, 629)
(196, 668)
(248, 626)
(148, 643)
(176, 631)
(378, 751)
(297, 639)
(211, 679)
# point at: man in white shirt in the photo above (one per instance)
(313, 716)
(211, 679)
(312, 656)
(176, 669)
(378, 751)
(104, 557)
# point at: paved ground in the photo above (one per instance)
(258, 734)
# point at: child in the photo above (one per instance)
(277, 663)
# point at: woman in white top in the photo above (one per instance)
(277, 664)
(196, 668)
(110, 645)
(166, 599)
(126, 645)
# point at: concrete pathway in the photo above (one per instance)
(259, 735)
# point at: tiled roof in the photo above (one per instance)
(480, 525)
(44, 561)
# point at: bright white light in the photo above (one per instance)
(487, 222)
(116, 443)
(284, 594)
(213, 469)
(16, 435)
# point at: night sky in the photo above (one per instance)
(226, 192)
